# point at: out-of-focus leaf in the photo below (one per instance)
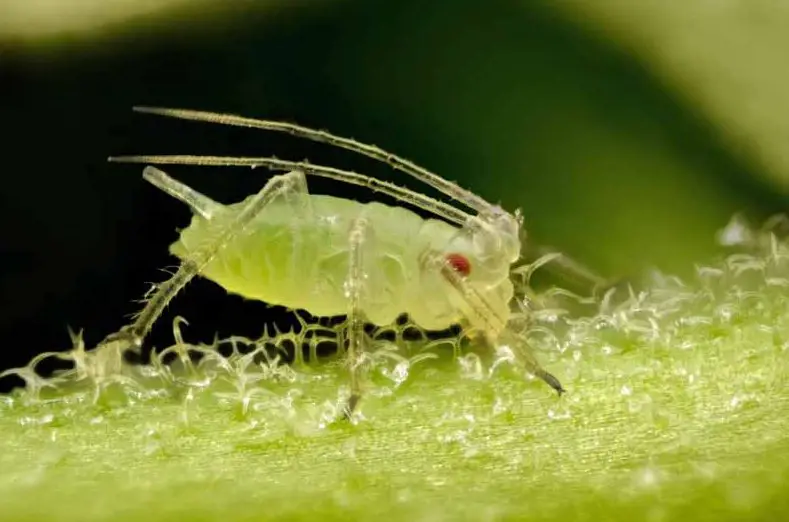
(729, 57)
(33, 20)
(30, 19)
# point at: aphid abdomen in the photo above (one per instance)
(301, 261)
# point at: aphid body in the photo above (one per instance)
(296, 253)
(333, 256)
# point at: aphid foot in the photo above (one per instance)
(552, 381)
(125, 336)
(350, 406)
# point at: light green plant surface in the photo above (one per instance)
(676, 410)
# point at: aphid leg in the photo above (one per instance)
(525, 357)
(132, 335)
(484, 319)
(570, 271)
(199, 203)
(354, 286)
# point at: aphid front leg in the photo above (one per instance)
(354, 288)
(484, 320)
(132, 335)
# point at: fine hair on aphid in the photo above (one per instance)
(333, 256)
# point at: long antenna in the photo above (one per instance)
(449, 188)
(439, 208)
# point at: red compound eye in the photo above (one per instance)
(459, 263)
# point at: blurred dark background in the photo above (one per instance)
(514, 100)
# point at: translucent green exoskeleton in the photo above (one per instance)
(334, 256)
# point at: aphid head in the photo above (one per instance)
(484, 250)
(480, 257)
(496, 237)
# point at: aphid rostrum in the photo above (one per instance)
(333, 256)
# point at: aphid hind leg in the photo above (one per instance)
(354, 288)
(131, 336)
(199, 203)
